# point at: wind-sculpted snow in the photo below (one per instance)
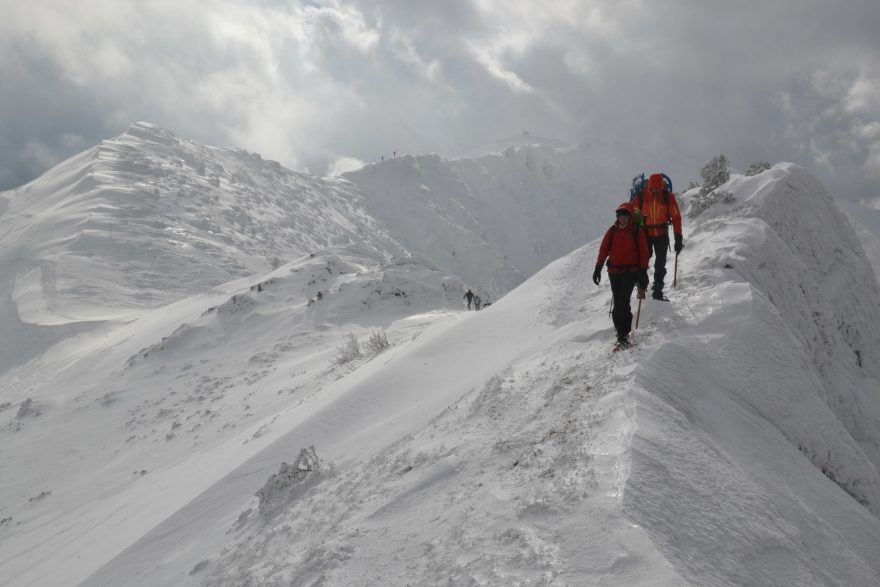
(803, 256)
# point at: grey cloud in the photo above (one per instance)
(310, 82)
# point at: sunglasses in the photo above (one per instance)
(622, 213)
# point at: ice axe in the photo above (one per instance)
(641, 296)
(675, 274)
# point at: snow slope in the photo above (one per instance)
(738, 444)
(734, 445)
(117, 428)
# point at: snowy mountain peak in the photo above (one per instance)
(147, 218)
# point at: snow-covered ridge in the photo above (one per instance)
(731, 447)
(758, 420)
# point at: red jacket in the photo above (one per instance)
(652, 205)
(624, 253)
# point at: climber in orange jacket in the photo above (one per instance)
(625, 247)
(659, 209)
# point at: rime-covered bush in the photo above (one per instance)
(377, 342)
(348, 352)
(702, 202)
(714, 173)
(288, 482)
(757, 167)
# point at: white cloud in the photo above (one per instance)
(864, 96)
(328, 21)
(406, 51)
(496, 69)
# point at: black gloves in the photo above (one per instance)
(643, 279)
(679, 244)
(597, 274)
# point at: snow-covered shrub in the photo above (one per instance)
(714, 173)
(757, 167)
(702, 202)
(288, 482)
(377, 342)
(235, 304)
(348, 352)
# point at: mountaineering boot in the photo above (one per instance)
(657, 294)
(623, 342)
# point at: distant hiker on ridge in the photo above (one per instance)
(469, 296)
(657, 207)
(626, 249)
(477, 302)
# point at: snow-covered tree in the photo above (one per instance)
(757, 167)
(714, 173)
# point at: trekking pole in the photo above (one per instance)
(675, 275)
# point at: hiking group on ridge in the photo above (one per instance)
(640, 232)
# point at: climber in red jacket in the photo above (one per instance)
(626, 249)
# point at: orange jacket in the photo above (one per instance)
(655, 213)
(625, 254)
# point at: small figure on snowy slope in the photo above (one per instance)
(654, 202)
(469, 296)
(626, 249)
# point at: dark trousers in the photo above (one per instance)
(622, 285)
(658, 246)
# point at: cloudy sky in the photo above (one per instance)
(314, 83)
